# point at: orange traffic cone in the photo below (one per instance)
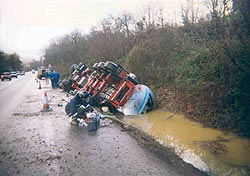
(39, 85)
(46, 103)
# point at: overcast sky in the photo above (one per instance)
(27, 26)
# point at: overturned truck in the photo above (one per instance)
(111, 86)
(77, 79)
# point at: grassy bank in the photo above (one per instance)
(199, 69)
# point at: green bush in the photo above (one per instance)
(151, 60)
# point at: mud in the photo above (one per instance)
(166, 154)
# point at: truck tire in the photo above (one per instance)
(111, 67)
(67, 108)
(101, 67)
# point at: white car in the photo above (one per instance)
(13, 74)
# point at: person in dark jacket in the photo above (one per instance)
(52, 79)
(56, 79)
(46, 76)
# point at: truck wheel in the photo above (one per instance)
(101, 67)
(67, 108)
(67, 87)
(132, 80)
(95, 66)
(111, 67)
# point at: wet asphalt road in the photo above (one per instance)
(44, 143)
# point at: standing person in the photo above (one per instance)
(56, 79)
(46, 76)
(50, 68)
(52, 79)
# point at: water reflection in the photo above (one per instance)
(207, 149)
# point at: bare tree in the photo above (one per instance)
(219, 8)
(153, 17)
(123, 23)
(189, 12)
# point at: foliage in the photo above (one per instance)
(204, 65)
(34, 64)
(151, 59)
(10, 62)
(97, 46)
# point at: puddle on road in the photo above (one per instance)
(207, 149)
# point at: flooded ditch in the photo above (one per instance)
(207, 149)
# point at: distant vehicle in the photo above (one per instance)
(33, 71)
(22, 73)
(13, 74)
(18, 73)
(5, 75)
(41, 72)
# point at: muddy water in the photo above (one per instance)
(207, 149)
